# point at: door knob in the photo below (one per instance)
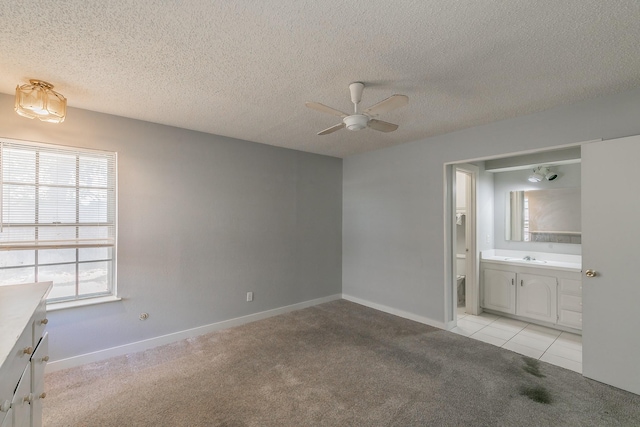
(590, 273)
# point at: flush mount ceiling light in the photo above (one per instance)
(38, 100)
(542, 172)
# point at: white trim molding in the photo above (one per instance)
(147, 344)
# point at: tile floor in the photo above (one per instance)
(549, 345)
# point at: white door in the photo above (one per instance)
(537, 297)
(499, 290)
(611, 247)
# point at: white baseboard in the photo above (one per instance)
(177, 336)
(396, 312)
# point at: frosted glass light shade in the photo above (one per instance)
(38, 100)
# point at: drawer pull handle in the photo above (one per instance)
(27, 398)
(27, 350)
(44, 321)
(5, 406)
(45, 359)
(43, 395)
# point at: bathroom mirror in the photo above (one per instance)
(544, 216)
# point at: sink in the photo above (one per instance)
(533, 261)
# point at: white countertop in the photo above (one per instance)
(539, 259)
(17, 305)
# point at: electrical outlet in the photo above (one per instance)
(249, 296)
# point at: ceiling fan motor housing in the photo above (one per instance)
(356, 121)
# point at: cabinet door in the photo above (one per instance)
(38, 363)
(20, 403)
(499, 290)
(8, 420)
(537, 297)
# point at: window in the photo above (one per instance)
(58, 218)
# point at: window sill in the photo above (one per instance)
(55, 306)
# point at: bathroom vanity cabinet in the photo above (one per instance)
(529, 295)
(544, 294)
(23, 353)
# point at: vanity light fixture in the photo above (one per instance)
(542, 172)
(38, 100)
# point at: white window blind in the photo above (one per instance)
(56, 198)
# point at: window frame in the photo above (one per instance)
(77, 243)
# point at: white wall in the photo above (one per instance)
(504, 182)
(393, 250)
(202, 220)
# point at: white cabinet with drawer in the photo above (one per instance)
(549, 296)
(570, 303)
(23, 353)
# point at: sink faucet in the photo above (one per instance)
(527, 258)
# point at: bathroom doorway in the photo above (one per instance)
(465, 244)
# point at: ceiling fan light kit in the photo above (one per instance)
(356, 121)
(360, 120)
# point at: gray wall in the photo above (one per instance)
(202, 220)
(393, 226)
(504, 182)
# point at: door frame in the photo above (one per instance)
(449, 203)
(450, 290)
(472, 300)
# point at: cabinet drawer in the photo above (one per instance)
(571, 302)
(6, 418)
(38, 364)
(571, 286)
(570, 318)
(14, 365)
(20, 403)
(39, 322)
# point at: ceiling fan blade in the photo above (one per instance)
(391, 103)
(332, 129)
(324, 109)
(382, 126)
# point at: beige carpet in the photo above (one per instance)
(337, 364)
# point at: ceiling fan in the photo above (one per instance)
(360, 120)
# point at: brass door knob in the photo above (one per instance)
(590, 273)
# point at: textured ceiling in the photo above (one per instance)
(245, 68)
